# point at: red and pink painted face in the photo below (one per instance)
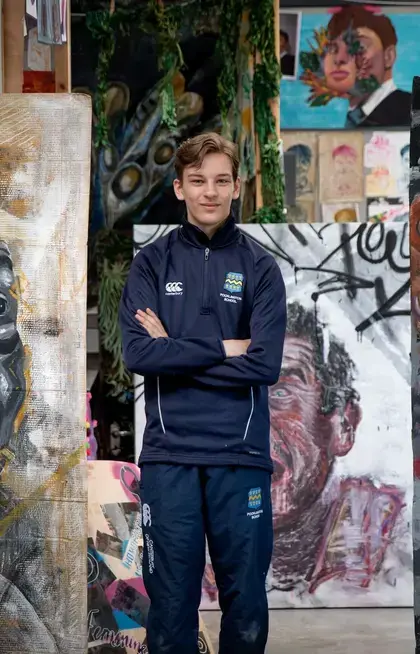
(299, 451)
(304, 441)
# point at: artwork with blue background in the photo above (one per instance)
(356, 69)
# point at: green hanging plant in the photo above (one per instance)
(113, 254)
(170, 59)
(266, 87)
(227, 47)
(102, 27)
(111, 284)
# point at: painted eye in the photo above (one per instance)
(164, 153)
(278, 393)
(3, 305)
(127, 181)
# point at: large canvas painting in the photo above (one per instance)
(44, 195)
(356, 67)
(340, 424)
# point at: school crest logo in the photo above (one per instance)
(234, 282)
(254, 498)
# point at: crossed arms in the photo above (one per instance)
(149, 350)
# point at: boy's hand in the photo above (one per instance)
(149, 320)
(236, 348)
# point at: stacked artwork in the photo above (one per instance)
(350, 67)
(342, 485)
(349, 176)
(44, 181)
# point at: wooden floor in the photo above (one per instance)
(334, 631)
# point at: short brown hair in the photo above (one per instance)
(354, 17)
(193, 151)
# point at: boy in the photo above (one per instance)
(203, 318)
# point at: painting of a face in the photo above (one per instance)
(372, 60)
(339, 67)
(300, 435)
(344, 164)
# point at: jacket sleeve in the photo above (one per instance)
(261, 365)
(145, 355)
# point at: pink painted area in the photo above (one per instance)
(126, 473)
(136, 583)
(111, 590)
(344, 151)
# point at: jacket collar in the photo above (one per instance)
(226, 235)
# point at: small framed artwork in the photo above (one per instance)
(290, 22)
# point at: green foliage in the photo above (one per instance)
(366, 86)
(170, 60)
(112, 254)
(102, 27)
(266, 88)
(310, 61)
(111, 285)
(320, 100)
(227, 46)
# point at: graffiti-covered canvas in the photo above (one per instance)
(340, 425)
(44, 202)
(340, 441)
(356, 67)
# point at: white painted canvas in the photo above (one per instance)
(340, 425)
(387, 163)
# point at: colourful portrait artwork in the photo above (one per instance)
(356, 68)
(387, 164)
(341, 167)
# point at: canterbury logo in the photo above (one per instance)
(174, 288)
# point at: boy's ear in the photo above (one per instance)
(178, 189)
(236, 189)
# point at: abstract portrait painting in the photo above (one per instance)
(357, 63)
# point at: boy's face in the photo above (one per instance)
(208, 191)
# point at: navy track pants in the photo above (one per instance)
(232, 507)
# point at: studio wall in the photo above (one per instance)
(44, 182)
(342, 510)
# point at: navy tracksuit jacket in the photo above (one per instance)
(206, 456)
